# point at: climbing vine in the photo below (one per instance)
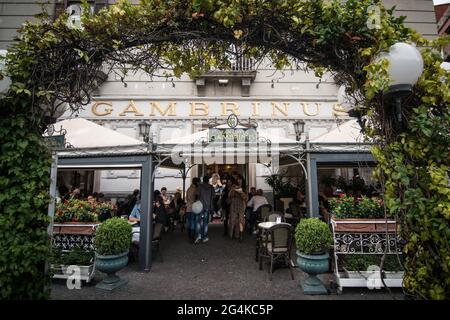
(54, 65)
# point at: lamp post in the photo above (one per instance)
(145, 252)
(299, 127)
(405, 68)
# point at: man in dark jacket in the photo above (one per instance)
(206, 196)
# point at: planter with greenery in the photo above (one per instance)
(362, 266)
(112, 241)
(75, 217)
(83, 259)
(359, 215)
(313, 239)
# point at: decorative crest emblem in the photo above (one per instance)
(232, 121)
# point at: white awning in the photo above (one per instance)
(348, 132)
(82, 133)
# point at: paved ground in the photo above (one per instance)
(220, 269)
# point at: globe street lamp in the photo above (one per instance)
(405, 68)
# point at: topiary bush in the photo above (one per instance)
(313, 236)
(113, 237)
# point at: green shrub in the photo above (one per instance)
(313, 236)
(77, 256)
(113, 237)
(361, 262)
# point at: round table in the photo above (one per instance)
(269, 224)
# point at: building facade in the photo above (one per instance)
(179, 107)
(443, 25)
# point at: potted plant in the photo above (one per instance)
(83, 259)
(112, 242)
(359, 215)
(361, 266)
(75, 217)
(313, 239)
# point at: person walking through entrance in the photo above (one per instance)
(238, 203)
(225, 206)
(206, 196)
(191, 197)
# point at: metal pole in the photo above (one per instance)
(53, 178)
(308, 179)
(183, 175)
(146, 226)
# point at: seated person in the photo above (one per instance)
(135, 215)
(255, 203)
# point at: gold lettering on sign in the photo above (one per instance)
(229, 106)
(131, 108)
(199, 106)
(283, 109)
(307, 111)
(106, 111)
(338, 110)
(170, 110)
(255, 109)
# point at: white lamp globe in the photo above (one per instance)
(344, 100)
(405, 64)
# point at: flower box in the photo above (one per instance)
(84, 228)
(363, 225)
(366, 275)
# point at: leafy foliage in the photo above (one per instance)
(361, 262)
(313, 236)
(24, 185)
(77, 256)
(194, 36)
(350, 207)
(113, 237)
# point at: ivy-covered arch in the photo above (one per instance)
(52, 64)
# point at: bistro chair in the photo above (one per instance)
(279, 247)
(264, 211)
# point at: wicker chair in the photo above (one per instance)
(264, 211)
(279, 247)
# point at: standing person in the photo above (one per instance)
(165, 196)
(238, 202)
(160, 214)
(191, 197)
(206, 195)
(217, 185)
(225, 205)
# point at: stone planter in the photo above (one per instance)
(313, 265)
(110, 265)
